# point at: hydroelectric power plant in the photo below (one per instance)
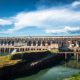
(8, 44)
(31, 54)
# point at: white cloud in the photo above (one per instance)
(66, 29)
(75, 4)
(44, 18)
(5, 22)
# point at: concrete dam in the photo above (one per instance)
(21, 44)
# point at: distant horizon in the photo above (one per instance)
(39, 18)
(34, 36)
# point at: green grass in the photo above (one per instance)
(54, 51)
(6, 61)
(32, 51)
(74, 77)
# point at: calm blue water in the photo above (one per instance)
(54, 73)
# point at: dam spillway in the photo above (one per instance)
(26, 43)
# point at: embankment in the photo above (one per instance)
(30, 63)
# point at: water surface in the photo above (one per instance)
(55, 73)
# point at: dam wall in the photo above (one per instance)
(21, 44)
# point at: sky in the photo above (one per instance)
(39, 18)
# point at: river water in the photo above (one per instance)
(55, 73)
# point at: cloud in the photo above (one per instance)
(75, 4)
(66, 29)
(5, 22)
(44, 18)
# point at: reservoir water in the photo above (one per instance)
(54, 73)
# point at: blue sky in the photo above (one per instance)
(39, 18)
